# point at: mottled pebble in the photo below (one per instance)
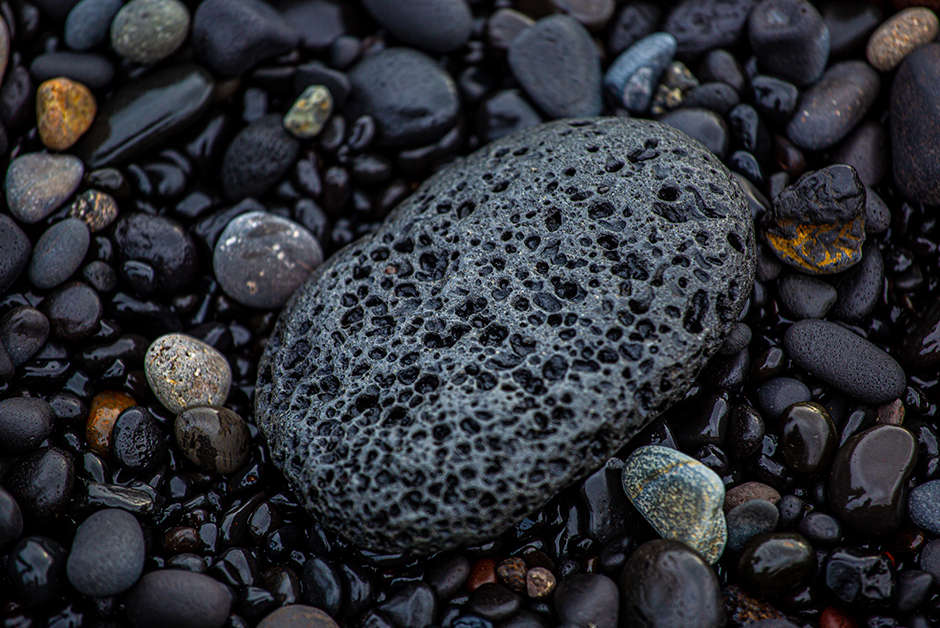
(59, 253)
(96, 209)
(38, 183)
(539, 582)
(215, 439)
(147, 31)
(900, 35)
(65, 110)
(308, 114)
(747, 520)
(512, 573)
(923, 506)
(184, 372)
(107, 555)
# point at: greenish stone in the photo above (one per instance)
(310, 112)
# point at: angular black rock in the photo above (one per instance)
(700, 25)
(789, 39)
(436, 381)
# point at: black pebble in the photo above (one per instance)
(776, 395)
(321, 586)
(860, 288)
(448, 575)
(23, 331)
(866, 150)
(633, 22)
(745, 431)
(42, 483)
(860, 578)
(413, 605)
(161, 243)
(257, 158)
(700, 25)
(24, 423)
(91, 70)
(806, 297)
(789, 39)
(11, 518)
(15, 250)
(588, 599)
(718, 97)
(915, 125)
(315, 73)
(774, 98)
(721, 66)
(494, 602)
(137, 441)
(74, 311)
(35, 569)
(437, 26)
(171, 597)
(703, 125)
(506, 112)
(850, 24)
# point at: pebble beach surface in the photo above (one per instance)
(469, 314)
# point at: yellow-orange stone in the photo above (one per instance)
(64, 111)
(105, 408)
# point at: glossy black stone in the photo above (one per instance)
(24, 423)
(42, 483)
(808, 437)
(137, 441)
(494, 602)
(36, 571)
(321, 586)
(860, 578)
(160, 242)
(773, 563)
(413, 605)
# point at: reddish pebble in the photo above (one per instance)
(105, 408)
(481, 572)
(832, 617)
(748, 491)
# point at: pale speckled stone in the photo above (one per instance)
(901, 35)
(184, 372)
(680, 497)
(96, 209)
(309, 113)
(38, 183)
(146, 31)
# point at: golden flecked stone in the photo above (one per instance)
(540, 582)
(819, 249)
(65, 109)
(900, 35)
(96, 209)
(105, 409)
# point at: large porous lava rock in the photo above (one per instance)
(513, 323)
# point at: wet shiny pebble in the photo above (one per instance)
(215, 439)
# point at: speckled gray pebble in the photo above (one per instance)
(466, 283)
(750, 519)
(261, 259)
(107, 555)
(146, 31)
(184, 372)
(38, 183)
(59, 253)
(923, 506)
(631, 79)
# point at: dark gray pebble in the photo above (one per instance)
(161, 243)
(845, 361)
(866, 150)
(24, 423)
(88, 23)
(59, 253)
(437, 26)
(11, 518)
(633, 22)
(94, 71)
(703, 125)
(411, 98)
(15, 250)
(107, 555)
(587, 599)
(789, 39)
(23, 331)
(850, 24)
(137, 442)
(774, 98)
(632, 78)
(776, 395)
(923, 506)
(718, 97)
(494, 602)
(833, 107)
(877, 214)
(171, 597)
(504, 113)
(749, 519)
(805, 296)
(915, 125)
(737, 340)
(231, 36)
(860, 288)
(700, 25)
(74, 311)
(722, 67)
(558, 65)
(821, 528)
(257, 158)
(41, 483)
(913, 588)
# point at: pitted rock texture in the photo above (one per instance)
(512, 324)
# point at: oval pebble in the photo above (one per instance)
(860, 288)
(24, 423)
(808, 437)
(805, 296)
(703, 125)
(38, 183)
(261, 259)
(215, 439)
(59, 253)
(184, 372)
(900, 35)
(587, 600)
(257, 158)
(90, 69)
(147, 31)
(923, 506)
(11, 518)
(41, 483)
(160, 242)
(137, 442)
(88, 22)
(435, 25)
(915, 125)
(701, 25)
(747, 520)
(845, 361)
(775, 563)
(107, 555)
(632, 78)
(15, 249)
(74, 311)
(172, 597)
(776, 395)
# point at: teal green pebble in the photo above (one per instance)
(679, 496)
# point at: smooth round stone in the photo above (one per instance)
(65, 110)
(261, 259)
(34, 570)
(413, 101)
(721, 66)
(831, 108)
(91, 70)
(137, 442)
(747, 520)
(172, 597)
(877, 214)
(494, 602)
(74, 311)
(745, 432)
(504, 26)
(805, 296)
(144, 112)
(666, 584)
(900, 35)
(914, 588)
(96, 209)
(428, 297)
(504, 113)
(868, 485)
(38, 183)
(298, 616)
(860, 578)
(160, 242)
(776, 395)
(184, 372)
(789, 39)
(632, 78)
(11, 518)
(923, 506)
(808, 437)
(147, 31)
(107, 555)
(59, 253)
(850, 24)
(915, 125)
(845, 361)
(215, 439)
(24, 423)
(860, 289)
(438, 26)
(15, 250)
(701, 25)
(257, 158)
(88, 23)
(587, 599)
(309, 113)
(41, 483)
(774, 563)
(231, 36)
(23, 331)
(322, 587)
(819, 527)
(679, 496)
(633, 22)
(703, 125)
(866, 150)
(558, 65)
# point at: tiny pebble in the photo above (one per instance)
(309, 113)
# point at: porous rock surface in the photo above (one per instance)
(510, 326)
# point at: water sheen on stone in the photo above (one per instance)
(514, 322)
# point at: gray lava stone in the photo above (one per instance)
(37, 183)
(439, 379)
(58, 253)
(146, 31)
(107, 554)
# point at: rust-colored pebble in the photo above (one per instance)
(105, 408)
(539, 582)
(180, 540)
(65, 109)
(748, 491)
(511, 572)
(832, 617)
(481, 572)
(901, 35)
(891, 413)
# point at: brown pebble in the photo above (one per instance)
(481, 572)
(891, 413)
(539, 582)
(180, 539)
(832, 617)
(743, 608)
(105, 408)
(95, 209)
(511, 572)
(65, 109)
(901, 35)
(748, 491)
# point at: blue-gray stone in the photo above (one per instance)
(88, 22)
(416, 391)
(59, 253)
(923, 506)
(750, 519)
(107, 555)
(632, 77)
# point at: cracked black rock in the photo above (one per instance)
(516, 321)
